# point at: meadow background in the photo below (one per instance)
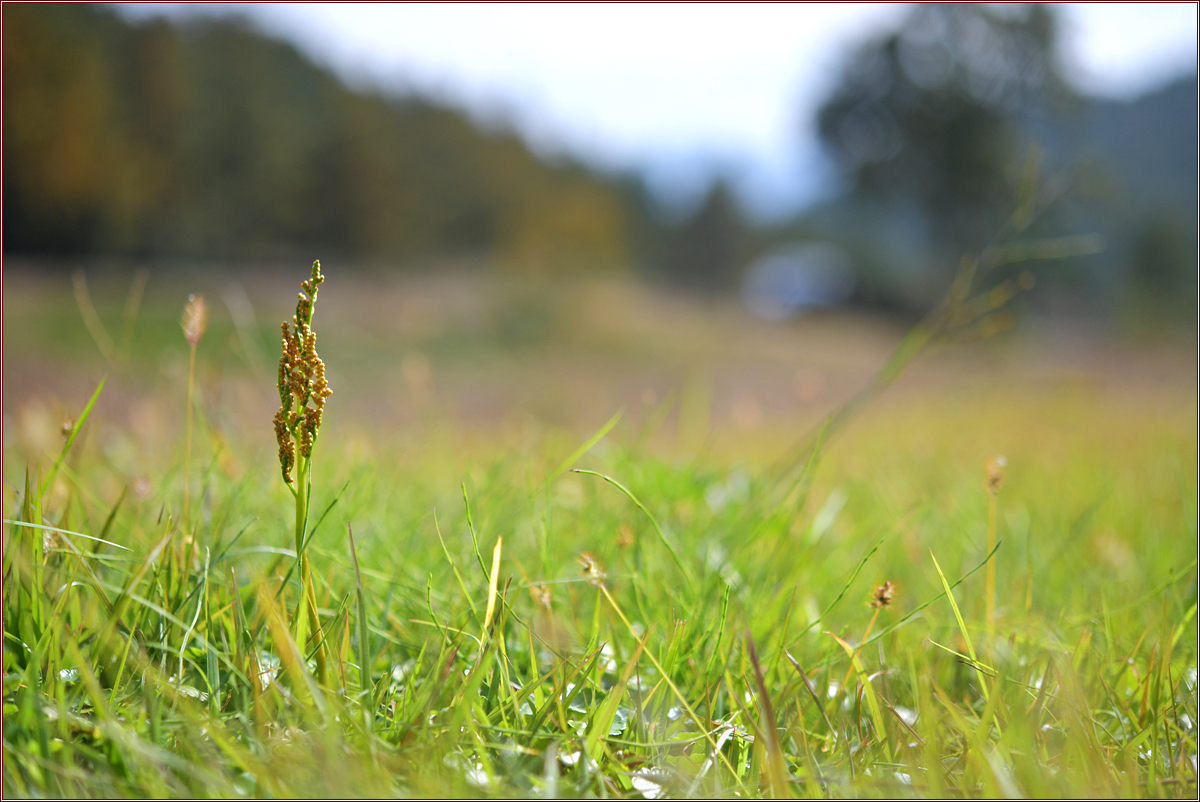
(493, 320)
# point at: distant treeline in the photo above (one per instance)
(207, 139)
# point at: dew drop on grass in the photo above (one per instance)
(608, 659)
(715, 496)
(826, 516)
(472, 770)
(478, 777)
(649, 782)
(400, 671)
(245, 783)
(571, 758)
(268, 668)
(188, 690)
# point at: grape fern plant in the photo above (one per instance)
(303, 389)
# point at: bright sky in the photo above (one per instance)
(676, 91)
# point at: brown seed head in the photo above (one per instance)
(592, 568)
(287, 449)
(994, 471)
(882, 595)
(301, 379)
(195, 319)
(541, 595)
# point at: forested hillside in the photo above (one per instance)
(209, 139)
(204, 139)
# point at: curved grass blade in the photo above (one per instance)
(83, 416)
(583, 449)
(658, 530)
(66, 532)
(962, 627)
(868, 691)
(364, 642)
(845, 588)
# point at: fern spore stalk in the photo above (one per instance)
(303, 390)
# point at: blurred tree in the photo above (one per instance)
(207, 139)
(930, 118)
(709, 250)
(1163, 264)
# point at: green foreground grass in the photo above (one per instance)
(698, 650)
(596, 618)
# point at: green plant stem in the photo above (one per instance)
(302, 465)
(187, 454)
(849, 669)
(308, 595)
(990, 624)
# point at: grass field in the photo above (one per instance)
(589, 540)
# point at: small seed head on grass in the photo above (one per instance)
(592, 569)
(541, 595)
(994, 471)
(882, 596)
(195, 319)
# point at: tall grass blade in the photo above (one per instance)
(602, 721)
(493, 577)
(75, 427)
(854, 575)
(583, 449)
(962, 626)
(776, 768)
(364, 638)
(671, 549)
(62, 531)
(868, 691)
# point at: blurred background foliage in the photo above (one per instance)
(934, 126)
(204, 139)
(209, 140)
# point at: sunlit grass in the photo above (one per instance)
(708, 644)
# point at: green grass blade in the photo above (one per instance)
(911, 614)
(603, 719)
(583, 449)
(962, 626)
(83, 416)
(868, 691)
(364, 638)
(658, 530)
(210, 648)
(474, 537)
(857, 569)
(62, 531)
